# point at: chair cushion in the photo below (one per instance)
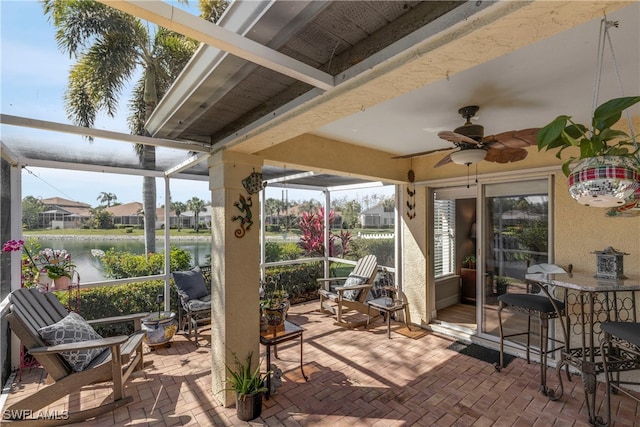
(199, 304)
(353, 280)
(72, 328)
(538, 303)
(190, 284)
(627, 331)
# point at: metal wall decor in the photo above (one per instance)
(244, 206)
(254, 183)
(411, 192)
(609, 264)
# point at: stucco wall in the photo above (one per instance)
(580, 230)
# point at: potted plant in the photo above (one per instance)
(470, 261)
(274, 303)
(249, 386)
(502, 283)
(160, 327)
(609, 167)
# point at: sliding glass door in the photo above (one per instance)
(515, 234)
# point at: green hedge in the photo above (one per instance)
(299, 281)
(122, 265)
(117, 300)
(381, 248)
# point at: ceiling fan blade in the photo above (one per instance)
(505, 155)
(456, 138)
(423, 153)
(512, 138)
(445, 160)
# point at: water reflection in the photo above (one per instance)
(90, 268)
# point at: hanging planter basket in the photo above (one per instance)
(605, 181)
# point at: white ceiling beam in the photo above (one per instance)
(190, 162)
(100, 133)
(175, 19)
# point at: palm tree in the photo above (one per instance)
(110, 47)
(107, 198)
(196, 206)
(178, 208)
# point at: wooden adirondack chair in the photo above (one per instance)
(352, 295)
(32, 310)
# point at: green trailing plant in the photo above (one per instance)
(598, 140)
(243, 379)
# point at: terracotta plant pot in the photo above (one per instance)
(61, 283)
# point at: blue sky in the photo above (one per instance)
(33, 81)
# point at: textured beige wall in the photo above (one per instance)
(414, 258)
(580, 230)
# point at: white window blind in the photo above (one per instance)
(445, 236)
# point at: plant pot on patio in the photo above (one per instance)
(159, 329)
(249, 406)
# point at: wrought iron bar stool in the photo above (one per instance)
(540, 304)
(620, 351)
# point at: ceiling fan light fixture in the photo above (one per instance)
(468, 156)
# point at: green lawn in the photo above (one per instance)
(99, 232)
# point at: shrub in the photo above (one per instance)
(382, 248)
(122, 265)
(299, 281)
(118, 300)
(281, 251)
(289, 251)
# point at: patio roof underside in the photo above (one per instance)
(274, 72)
(328, 36)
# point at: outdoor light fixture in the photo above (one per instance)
(468, 156)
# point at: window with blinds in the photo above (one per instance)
(444, 217)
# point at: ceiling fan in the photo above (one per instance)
(473, 146)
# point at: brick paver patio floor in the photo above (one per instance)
(356, 377)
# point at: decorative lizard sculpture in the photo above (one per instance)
(244, 206)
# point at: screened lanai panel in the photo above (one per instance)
(43, 145)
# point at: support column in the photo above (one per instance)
(415, 249)
(235, 267)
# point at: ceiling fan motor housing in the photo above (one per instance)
(475, 132)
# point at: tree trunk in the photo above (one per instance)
(149, 163)
(149, 200)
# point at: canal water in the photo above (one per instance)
(89, 267)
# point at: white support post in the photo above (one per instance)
(167, 243)
(263, 241)
(15, 177)
(327, 231)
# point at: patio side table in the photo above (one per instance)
(272, 338)
(387, 306)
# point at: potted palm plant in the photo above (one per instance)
(608, 170)
(249, 386)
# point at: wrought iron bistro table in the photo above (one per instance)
(273, 337)
(589, 302)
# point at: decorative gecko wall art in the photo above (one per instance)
(244, 206)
